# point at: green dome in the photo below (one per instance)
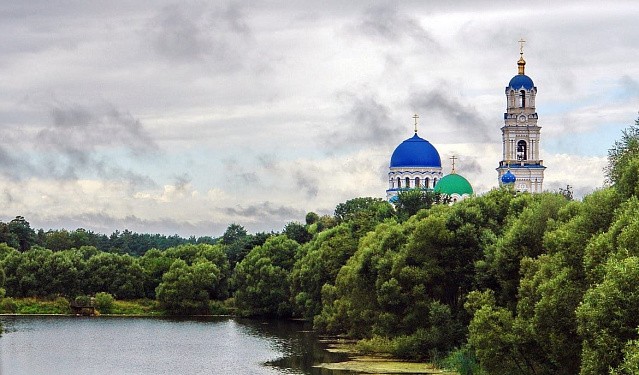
(453, 184)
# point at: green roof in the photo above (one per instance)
(453, 184)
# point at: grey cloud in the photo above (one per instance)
(78, 129)
(181, 181)
(388, 24)
(367, 123)
(465, 119)
(14, 166)
(237, 174)
(465, 164)
(267, 161)
(265, 211)
(630, 85)
(72, 145)
(199, 33)
(308, 182)
(104, 223)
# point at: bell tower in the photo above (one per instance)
(521, 134)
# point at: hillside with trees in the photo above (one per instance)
(503, 283)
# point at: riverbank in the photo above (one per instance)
(61, 306)
(366, 363)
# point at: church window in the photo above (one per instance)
(434, 181)
(407, 182)
(522, 98)
(521, 150)
(399, 183)
(427, 182)
(417, 182)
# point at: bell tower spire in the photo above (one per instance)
(520, 133)
(521, 64)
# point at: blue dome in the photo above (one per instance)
(415, 152)
(508, 178)
(521, 80)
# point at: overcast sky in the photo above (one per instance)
(183, 117)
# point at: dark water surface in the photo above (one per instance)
(113, 345)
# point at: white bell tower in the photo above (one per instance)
(521, 134)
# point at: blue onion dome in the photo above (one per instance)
(521, 81)
(415, 152)
(508, 178)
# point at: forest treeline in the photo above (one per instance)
(503, 283)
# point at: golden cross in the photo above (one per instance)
(415, 117)
(453, 158)
(521, 46)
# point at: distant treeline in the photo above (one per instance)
(18, 234)
(504, 283)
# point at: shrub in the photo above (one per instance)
(104, 302)
(8, 305)
(463, 361)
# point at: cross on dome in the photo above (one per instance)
(415, 117)
(521, 46)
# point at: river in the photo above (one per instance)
(52, 345)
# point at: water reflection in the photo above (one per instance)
(301, 346)
(106, 345)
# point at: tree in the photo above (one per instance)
(261, 279)
(312, 218)
(186, 290)
(353, 208)
(297, 232)
(622, 153)
(319, 262)
(609, 316)
(23, 232)
(410, 201)
(120, 275)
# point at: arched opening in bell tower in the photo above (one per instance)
(522, 98)
(522, 152)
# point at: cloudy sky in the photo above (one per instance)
(183, 117)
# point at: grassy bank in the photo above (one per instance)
(61, 306)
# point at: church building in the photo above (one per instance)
(415, 163)
(521, 164)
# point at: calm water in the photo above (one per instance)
(104, 345)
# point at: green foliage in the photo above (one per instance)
(624, 152)
(318, 264)
(409, 202)
(120, 275)
(261, 279)
(297, 232)
(366, 207)
(311, 218)
(186, 289)
(22, 232)
(59, 305)
(609, 316)
(630, 364)
(523, 237)
(104, 302)
(463, 361)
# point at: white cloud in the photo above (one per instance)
(170, 118)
